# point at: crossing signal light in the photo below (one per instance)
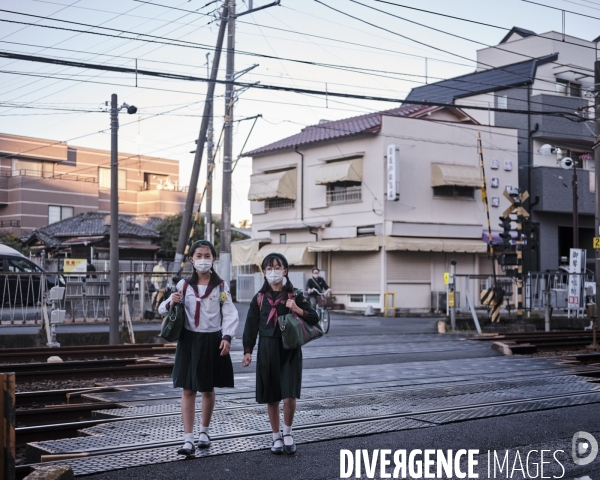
(505, 235)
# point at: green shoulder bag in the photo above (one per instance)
(173, 323)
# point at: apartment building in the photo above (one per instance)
(380, 202)
(45, 181)
(549, 75)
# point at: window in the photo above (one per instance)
(371, 298)
(454, 191)
(364, 298)
(32, 168)
(565, 88)
(104, 178)
(57, 213)
(155, 181)
(502, 101)
(279, 204)
(21, 265)
(282, 238)
(344, 192)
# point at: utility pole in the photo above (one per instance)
(597, 170)
(209, 160)
(225, 249)
(113, 334)
(575, 207)
(184, 233)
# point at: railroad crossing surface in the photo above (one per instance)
(371, 383)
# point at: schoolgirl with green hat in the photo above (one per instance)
(202, 360)
(278, 371)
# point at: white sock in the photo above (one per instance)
(204, 430)
(277, 438)
(188, 437)
(287, 431)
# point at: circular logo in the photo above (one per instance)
(584, 452)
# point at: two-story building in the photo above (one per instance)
(320, 198)
(547, 75)
(44, 181)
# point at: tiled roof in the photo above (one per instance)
(92, 224)
(493, 79)
(369, 123)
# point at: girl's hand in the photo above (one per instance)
(175, 298)
(291, 304)
(247, 360)
(224, 347)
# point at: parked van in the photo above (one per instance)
(21, 279)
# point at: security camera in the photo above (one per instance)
(131, 109)
(567, 163)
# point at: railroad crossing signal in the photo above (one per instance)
(516, 203)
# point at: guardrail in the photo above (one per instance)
(539, 289)
(22, 295)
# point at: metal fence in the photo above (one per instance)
(86, 295)
(539, 289)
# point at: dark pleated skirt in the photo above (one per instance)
(199, 365)
(278, 371)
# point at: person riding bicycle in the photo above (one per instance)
(316, 285)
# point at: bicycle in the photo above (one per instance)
(322, 310)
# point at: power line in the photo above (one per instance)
(325, 65)
(442, 31)
(261, 86)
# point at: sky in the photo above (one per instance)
(386, 53)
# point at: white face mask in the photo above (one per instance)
(275, 276)
(203, 266)
(315, 275)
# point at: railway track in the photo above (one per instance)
(88, 352)
(420, 417)
(79, 363)
(533, 342)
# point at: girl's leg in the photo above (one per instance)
(273, 410)
(188, 410)
(289, 408)
(188, 407)
(208, 405)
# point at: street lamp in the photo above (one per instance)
(113, 335)
(566, 163)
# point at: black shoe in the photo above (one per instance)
(277, 450)
(289, 449)
(204, 443)
(187, 449)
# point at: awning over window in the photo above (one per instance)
(458, 175)
(295, 253)
(273, 185)
(245, 252)
(342, 171)
(419, 244)
(357, 244)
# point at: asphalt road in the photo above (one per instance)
(390, 358)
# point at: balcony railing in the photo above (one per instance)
(56, 176)
(348, 195)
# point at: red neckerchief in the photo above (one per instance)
(273, 312)
(199, 300)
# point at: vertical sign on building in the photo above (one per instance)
(576, 268)
(393, 172)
